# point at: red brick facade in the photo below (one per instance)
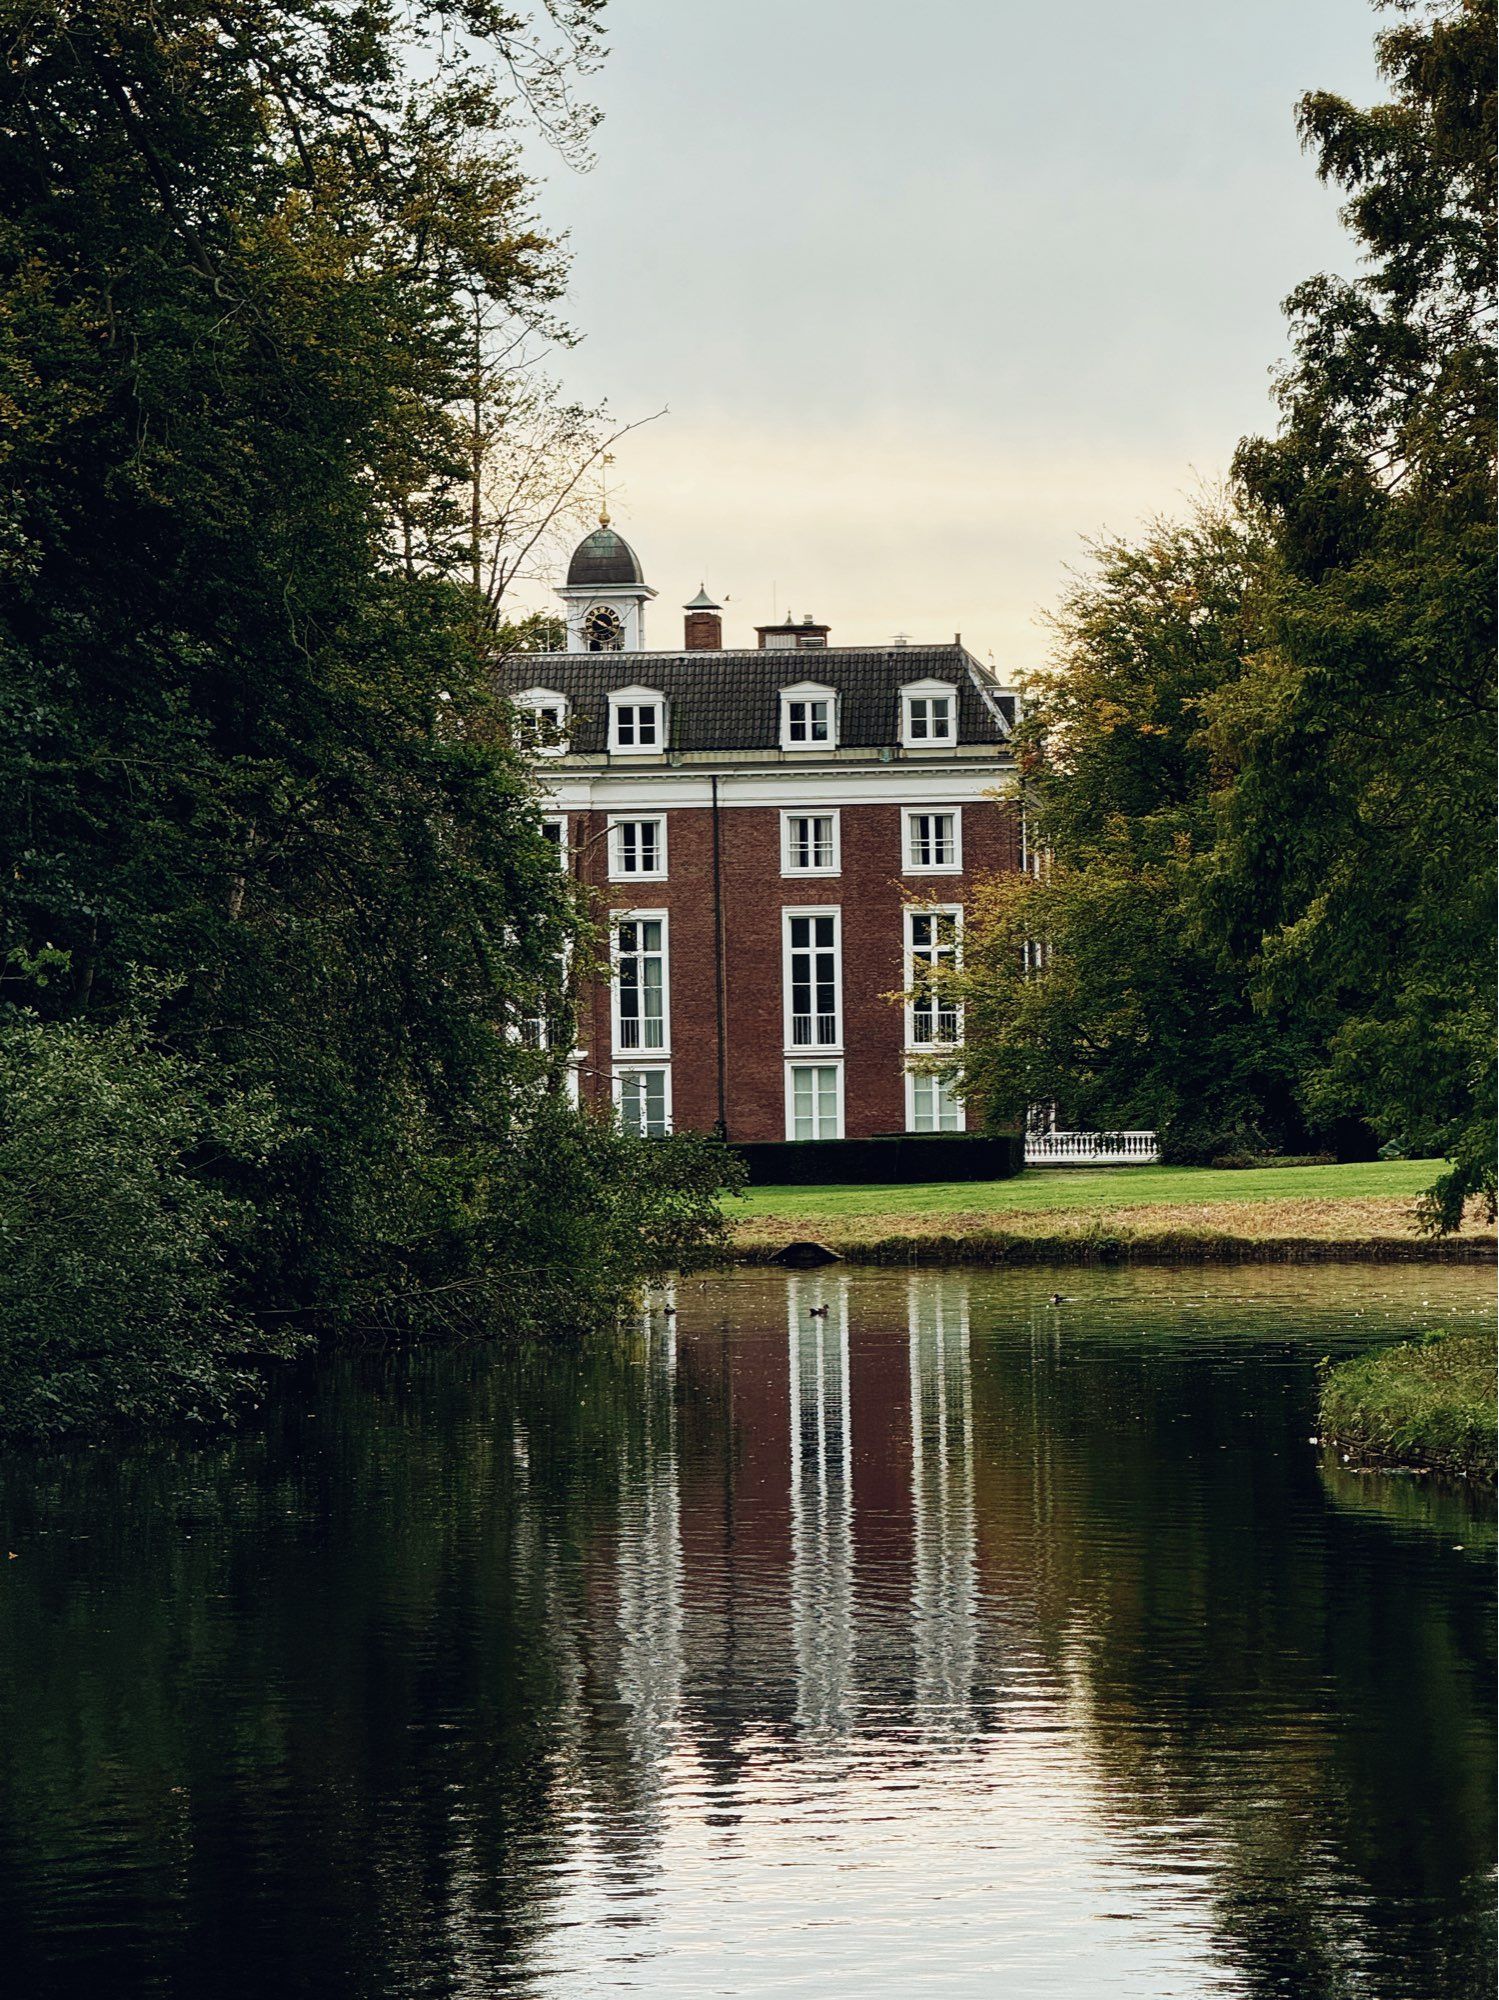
(725, 955)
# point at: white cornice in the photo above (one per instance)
(659, 790)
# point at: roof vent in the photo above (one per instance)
(793, 636)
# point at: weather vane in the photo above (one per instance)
(608, 460)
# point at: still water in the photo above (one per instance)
(861, 1634)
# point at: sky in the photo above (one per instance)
(934, 293)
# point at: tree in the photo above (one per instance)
(1264, 770)
(247, 738)
(1357, 831)
(1095, 983)
(528, 453)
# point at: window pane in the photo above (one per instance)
(642, 1102)
(814, 1102)
(638, 846)
(641, 979)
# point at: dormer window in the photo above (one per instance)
(928, 715)
(809, 717)
(637, 722)
(542, 722)
(603, 630)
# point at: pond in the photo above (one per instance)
(845, 1633)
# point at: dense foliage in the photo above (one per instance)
(1100, 984)
(1264, 771)
(246, 741)
(116, 1298)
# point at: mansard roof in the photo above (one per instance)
(730, 700)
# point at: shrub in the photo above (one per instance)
(1429, 1402)
(115, 1300)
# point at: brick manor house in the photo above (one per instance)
(782, 837)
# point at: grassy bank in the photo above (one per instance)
(1425, 1403)
(1162, 1214)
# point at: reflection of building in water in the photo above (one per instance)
(649, 1566)
(822, 1545)
(944, 1606)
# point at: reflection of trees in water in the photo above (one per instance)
(309, 1711)
(1300, 1695)
(356, 1704)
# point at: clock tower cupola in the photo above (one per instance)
(605, 595)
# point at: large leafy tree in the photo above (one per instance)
(246, 739)
(1357, 831)
(1093, 981)
(1263, 770)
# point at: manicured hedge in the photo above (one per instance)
(903, 1159)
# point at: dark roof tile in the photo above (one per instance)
(729, 700)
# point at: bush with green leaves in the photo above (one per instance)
(117, 1296)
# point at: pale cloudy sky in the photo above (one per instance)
(933, 292)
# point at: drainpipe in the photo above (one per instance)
(718, 970)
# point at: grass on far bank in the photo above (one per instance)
(1425, 1403)
(1049, 1188)
(1205, 1210)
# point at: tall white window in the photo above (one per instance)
(637, 722)
(932, 1105)
(814, 1100)
(637, 847)
(809, 717)
(813, 976)
(809, 843)
(643, 1097)
(934, 843)
(933, 1016)
(641, 1006)
(554, 830)
(550, 1025)
(928, 714)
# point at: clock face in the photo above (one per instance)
(602, 630)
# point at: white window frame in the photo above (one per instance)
(908, 921)
(913, 1077)
(835, 867)
(915, 691)
(637, 697)
(814, 1060)
(661, 1069)
(640, 1056)
(811, 1051)
(617, 870)
(909, 864)
(559, 820)
(809, 691)
(533, 700)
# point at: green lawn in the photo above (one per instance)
(1097, 1188)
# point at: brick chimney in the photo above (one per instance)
(703, 625)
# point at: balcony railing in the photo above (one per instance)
(814, 1031)
(1091, 1149)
